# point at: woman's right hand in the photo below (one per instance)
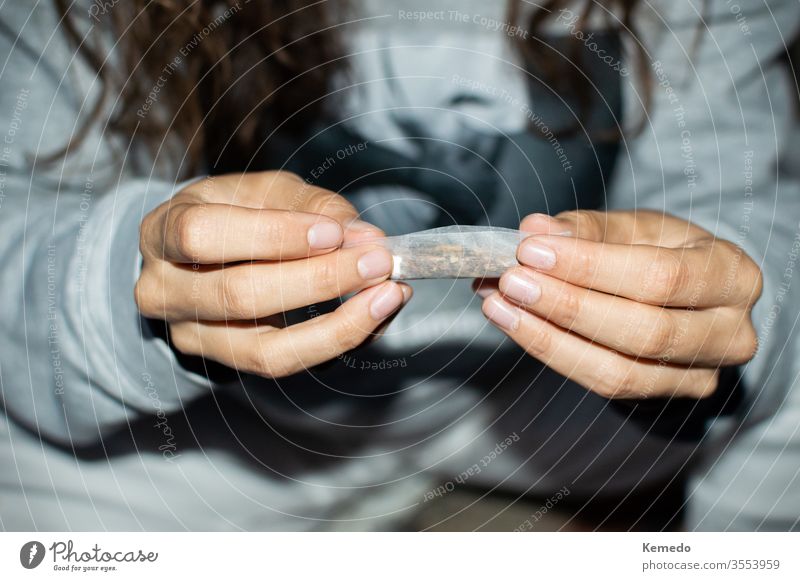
(227, 253)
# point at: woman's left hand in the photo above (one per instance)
(628, 304)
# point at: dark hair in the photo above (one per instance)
(269, 61)
(570, 74)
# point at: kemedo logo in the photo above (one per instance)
(31, 554)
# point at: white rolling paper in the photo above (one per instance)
(451, 252)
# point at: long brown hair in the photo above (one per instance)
(232, 67)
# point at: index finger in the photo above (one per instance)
(223, 233)
(698, 276)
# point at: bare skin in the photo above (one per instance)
(227, 255)
(628, 304)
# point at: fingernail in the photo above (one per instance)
(408, 292)
(521, 288)
(324, 235)
(356, 225)
(546, 224)
(501, 314)
(386, 301)
(375, 264)
(537, 255)
(484, 291)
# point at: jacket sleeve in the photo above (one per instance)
(77, 360)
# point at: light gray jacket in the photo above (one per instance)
(77, 364)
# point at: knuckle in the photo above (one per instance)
(264, 360)
(238, 294)
(745, 347)
(590, 224)
(744, 270)
(568, 216)
(603, 385)
(537, 341)
(264, 180)
(706, 383)
(145, 230)
(617, 386)
(665, 278)
(583, 267)
(183, 340)
(756, 286)
(273, 231)
(264, 365)
(659, 337)
(199, 190)
(327, 203)
(613, 379)
(190, 227)
(567, 307)
(146, 298)
(348, 335)
(326, 276)
(274, 181)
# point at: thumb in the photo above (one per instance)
(586, 224)
(629, 227)
(336, 206)
(280, 190)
